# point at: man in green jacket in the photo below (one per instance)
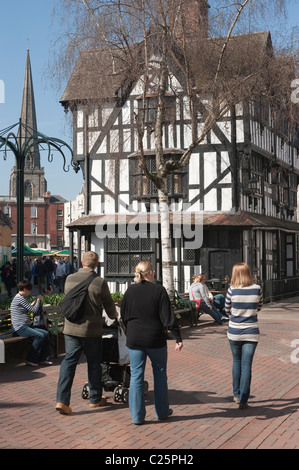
(85, 335)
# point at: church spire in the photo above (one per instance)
(28, 113)
(35, 184)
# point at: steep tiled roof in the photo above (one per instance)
(99, 73)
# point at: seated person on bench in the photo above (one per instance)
(200, 291)
(21, 325)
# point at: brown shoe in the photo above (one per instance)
(236, 399)
(103, 402)
(243, 406)
(63, 409)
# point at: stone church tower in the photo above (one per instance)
(35, 184)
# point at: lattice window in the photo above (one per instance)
(148, 109)
(146, 244)
(189, 255)
(112, 264)
(123, 254)
(134, 244)
(123, 263)
(123, 244)
(112, 244)
(142, 186)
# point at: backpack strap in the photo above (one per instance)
(83, 284)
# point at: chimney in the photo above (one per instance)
(192, 19)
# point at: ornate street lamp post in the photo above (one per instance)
(21, 144)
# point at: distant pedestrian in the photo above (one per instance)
(243, 300)
(41, 272)
(68, 267)
(8, 277)
(60, 275)
(50, 271)
(75, 264)
(28, 268)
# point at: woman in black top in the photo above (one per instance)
(146, 313)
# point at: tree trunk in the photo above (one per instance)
(166, 245)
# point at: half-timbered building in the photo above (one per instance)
(243, 177)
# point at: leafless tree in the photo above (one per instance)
(148, 39)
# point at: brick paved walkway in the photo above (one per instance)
(200, 390)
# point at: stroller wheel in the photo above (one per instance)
(125, 395)
(85, 391)
(145, 387)
(117, 394)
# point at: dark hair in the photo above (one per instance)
(24, 285)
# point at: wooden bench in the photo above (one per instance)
(8, 338)
(53, 322)
(183, 306)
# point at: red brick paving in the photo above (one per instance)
(205, 417)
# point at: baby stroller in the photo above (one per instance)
(115, 363)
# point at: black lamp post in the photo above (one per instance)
(21, 147)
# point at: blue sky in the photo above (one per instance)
(27, 24)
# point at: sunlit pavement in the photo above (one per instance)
(200, 390)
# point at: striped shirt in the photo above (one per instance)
(243, 303)
(19, 311)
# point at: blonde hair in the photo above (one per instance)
(241, 275)
(200, 277)
(90, 259)
(142, 269)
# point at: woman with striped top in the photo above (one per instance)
(21, 325)
(243, 300)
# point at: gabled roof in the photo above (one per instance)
(100, 73)
(244, 54)
(56, 199)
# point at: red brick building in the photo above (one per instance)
(5, 239)
(43, 220)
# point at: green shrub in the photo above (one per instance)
(117, 296)
(51, 299)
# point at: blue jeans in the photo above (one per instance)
(243, 352)
(40, 349)
(74, 346)
(219, 302)
(49, 277)
(158, 359)
(215, 314)
(60, 283)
